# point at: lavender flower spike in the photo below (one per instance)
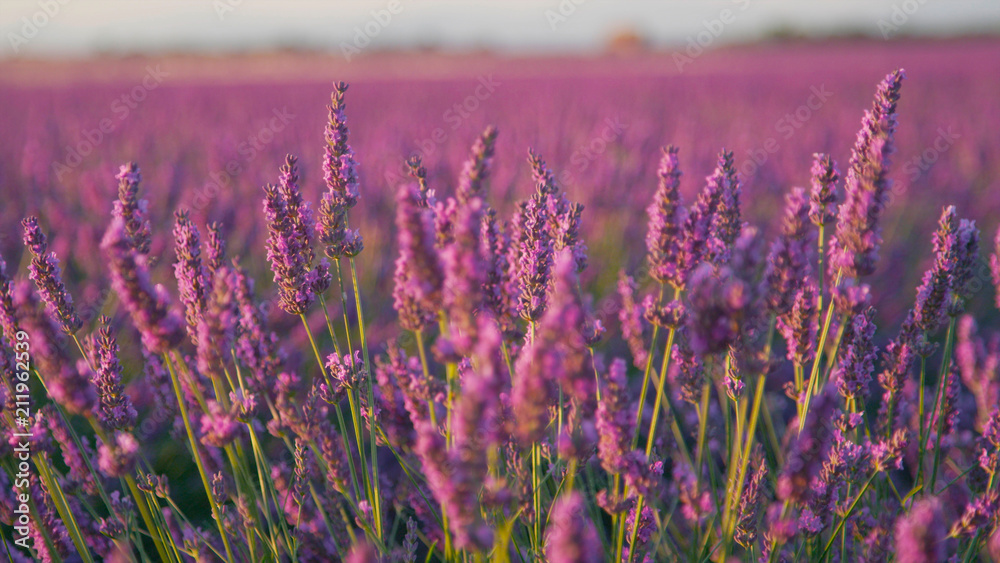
(289, 242)
(854, 371)
(47, 276)
(789, 260)
(477, 169)
(149, 306)
(116, 411)
(823, 198)
(341, 176)
(132, 210)
(193, 283)
(535, 245)
(854, 248)
(666, 215)
(699, 233)
(419, 276)
(614, 423)
(571, 536)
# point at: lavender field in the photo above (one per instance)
(471, 308)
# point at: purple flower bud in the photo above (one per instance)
(115, 411)
(47, 275)
(289, 243)
(132, 210)
(193, 283)
(666, 216)
(476, 169)
(857, 363)
(798, 326)
(789, 261)
(748, 510)
(823, 198)
(615, 423)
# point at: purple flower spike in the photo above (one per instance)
(666, 216)
(750, 505)
(477, 169)
(823, 198)
(289, 242)
(47, 276)
(132, 210)
(535, 244)
(116, 411)
(798, 326)
(631, 316)
(727, 222)
(789, 261)
(571, 536)
(341, 176)
(854, 371)
(8, 314)
(149, 306)
(615, 423)
(700, 223)
(419, 276)
(496, 289)
(854, 248)
(193, 283)
(464, 276)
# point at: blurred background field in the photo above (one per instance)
(598, 119)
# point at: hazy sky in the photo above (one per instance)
(82, 27)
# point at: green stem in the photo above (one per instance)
(197, 455)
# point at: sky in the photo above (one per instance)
(74, 28)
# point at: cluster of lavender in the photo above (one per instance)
(498, 427)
